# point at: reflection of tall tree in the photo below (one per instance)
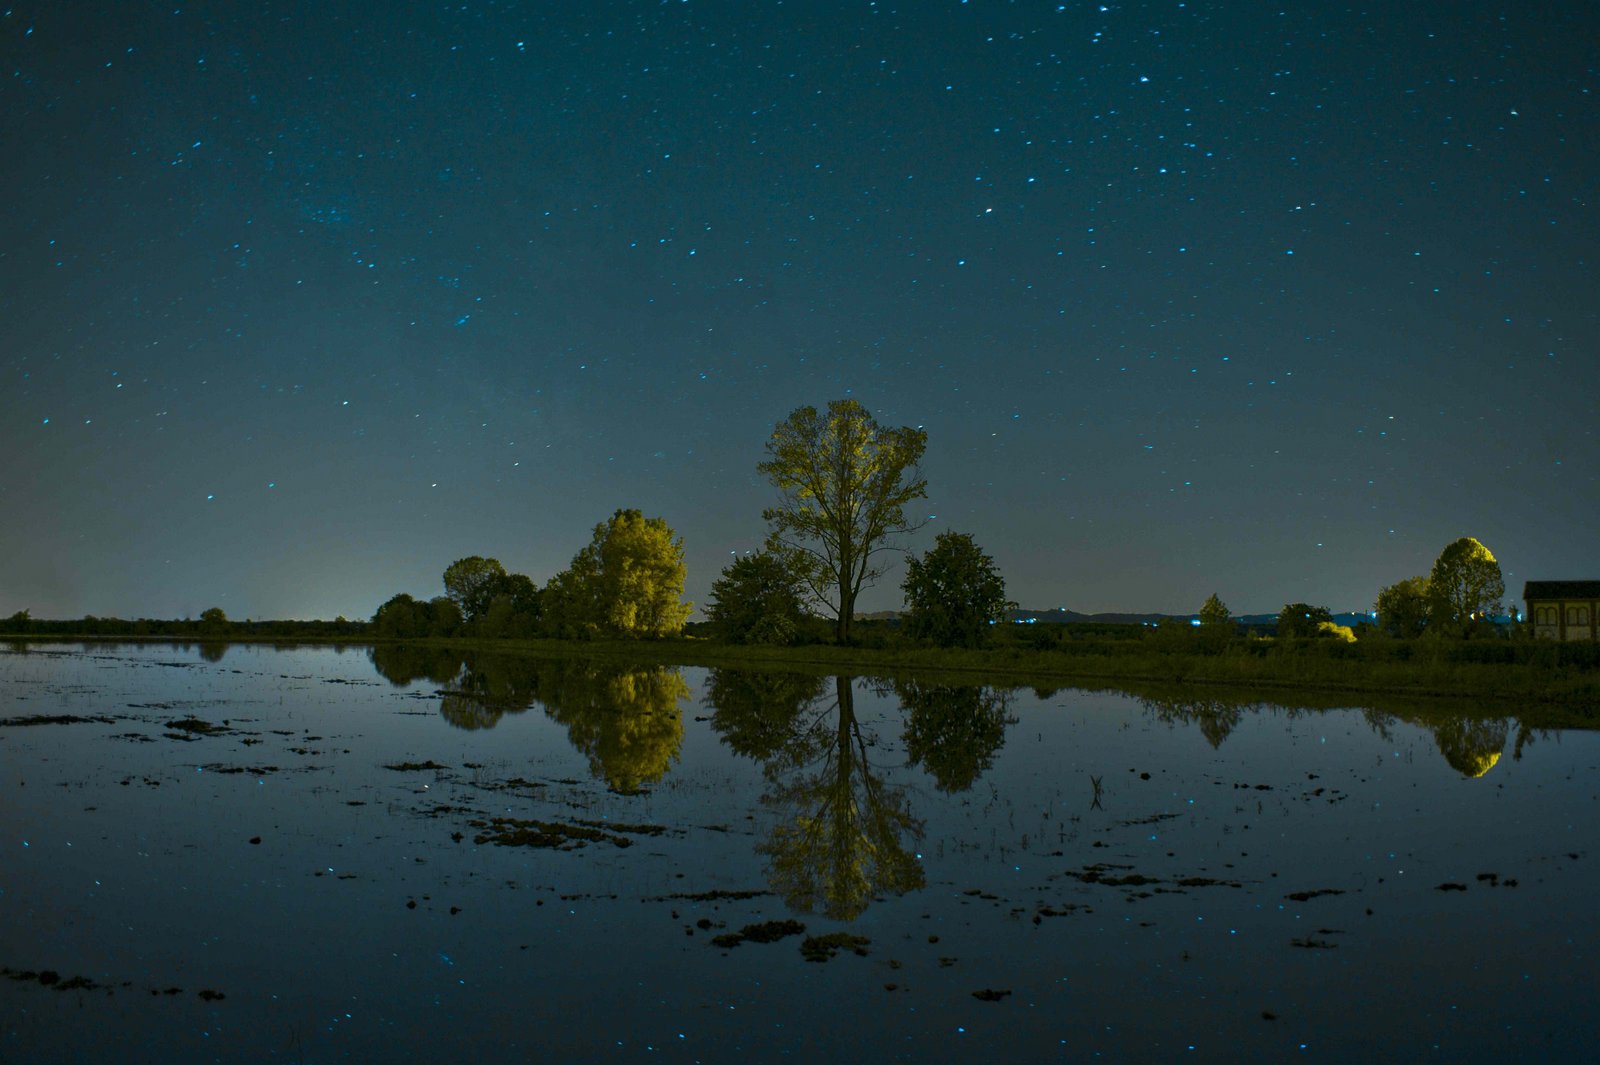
(842, 845)
(627, 720)
(1471, 745)
(840, 841)
(1215, 717)
(213, 650)
(953, 731)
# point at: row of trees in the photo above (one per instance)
(1460, 595)
(627, 582)
(843, 484)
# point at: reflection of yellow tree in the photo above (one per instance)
(840, 840)
(953, 731)
(1216, 718)
(1471, 746)
(626, 720)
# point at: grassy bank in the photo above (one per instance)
(1502, 672)
(1505, 671)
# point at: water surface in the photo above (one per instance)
(320, 855)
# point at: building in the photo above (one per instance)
(1563, 610)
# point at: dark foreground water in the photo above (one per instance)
(314, 855)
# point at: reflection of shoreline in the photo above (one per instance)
(1472, 745)
(627, 720)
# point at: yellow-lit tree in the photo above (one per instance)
(627, 582)
(843, 483)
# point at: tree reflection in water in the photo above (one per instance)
(625, 719)
(845, 835)
(1216, 717)
(1472, 745)
(404, 664)
(953, 731)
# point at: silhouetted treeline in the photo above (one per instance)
(211, 625)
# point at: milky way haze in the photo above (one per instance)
(299, 302)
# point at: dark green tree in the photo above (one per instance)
(402, 617)
(1301, 620)
(758, 599)
(1465, 586)
(1402, 607)
(213, 622)
(953, 593)
(470, 583)
(843, 483)
(1214, 613)
(515, 606)
(444, 616)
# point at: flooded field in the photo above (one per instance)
(316, 855)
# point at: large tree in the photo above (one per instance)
(471, 582)
(843, 482)
(953, 593)
(1465, 584)
(627, 582)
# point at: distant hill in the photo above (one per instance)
(1058, 617)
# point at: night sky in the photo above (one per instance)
(299, 302)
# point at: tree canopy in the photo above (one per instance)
(627, 582)
(1402, 607)
(758, 599)
(953, 592)
(843, 483)
(470, 583)
(1302, 619)
(1465, 584)
(1214, 612)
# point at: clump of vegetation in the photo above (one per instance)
(197, 727)
(515, 832)
(765, 932)
(54, 719)
(823, 948)
(411, 767)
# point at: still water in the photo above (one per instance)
(316, 855)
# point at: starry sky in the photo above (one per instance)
(301, 301)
